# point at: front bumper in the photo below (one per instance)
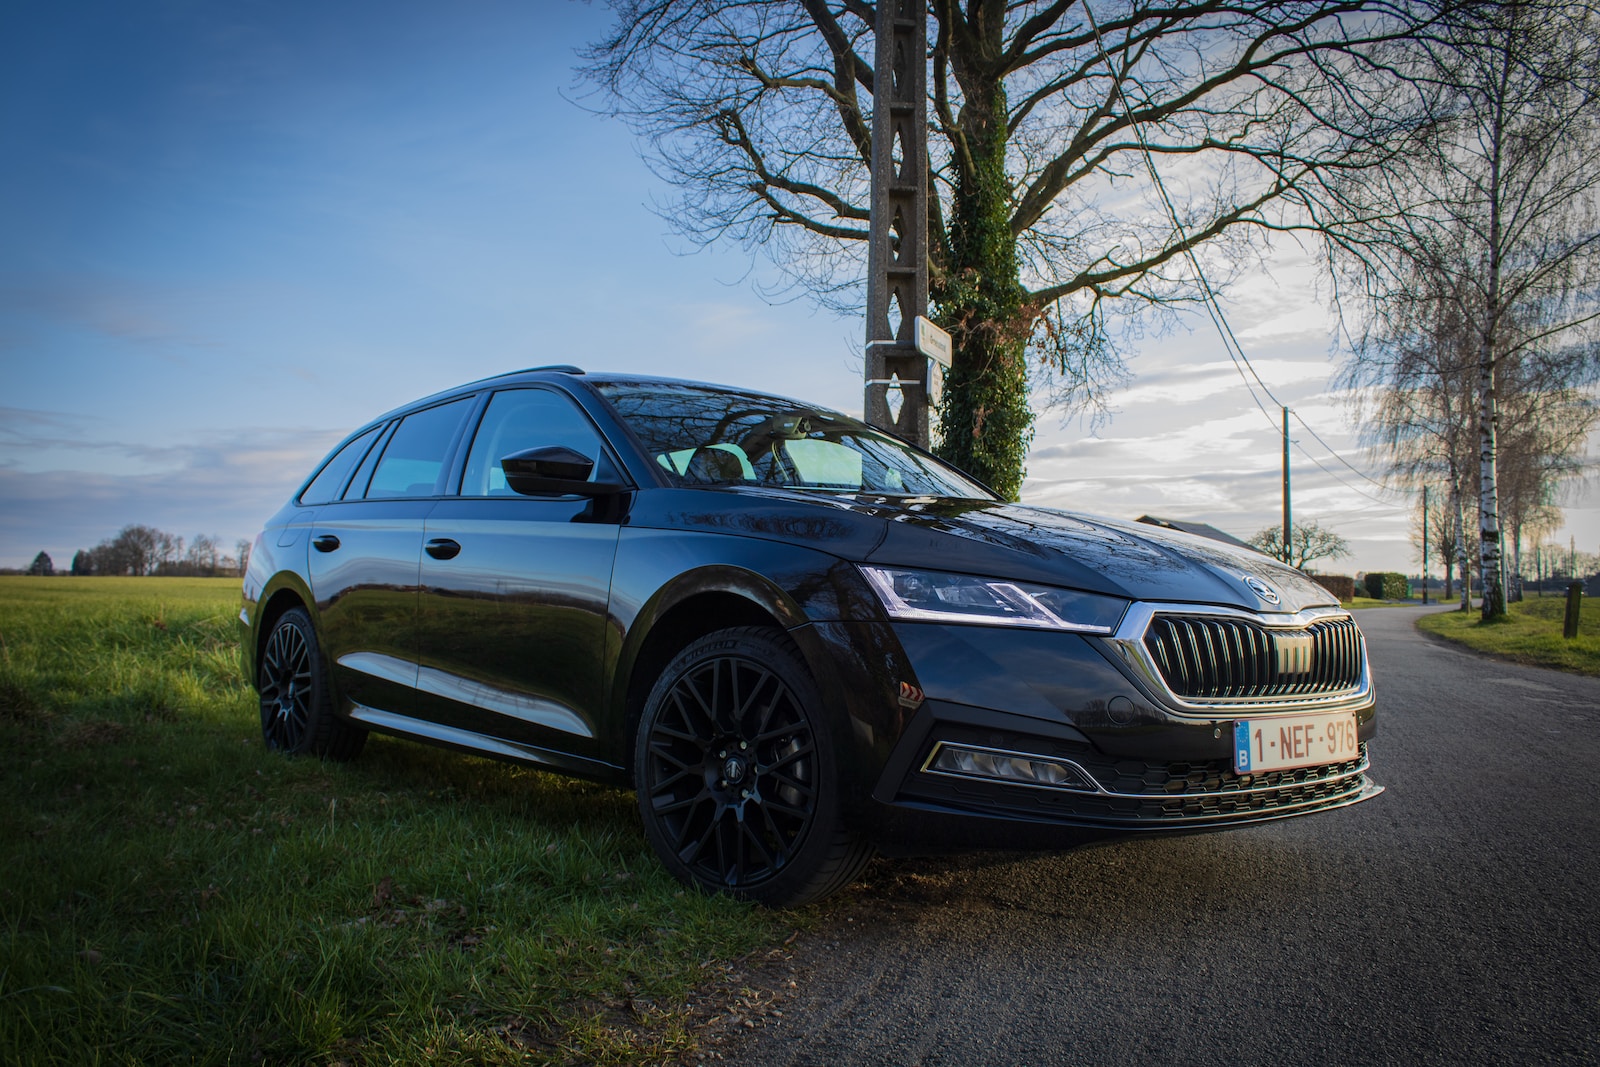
(1124, 793)
(1137, 763)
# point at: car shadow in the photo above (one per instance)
(1150, 881)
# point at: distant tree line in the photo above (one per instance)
(144, 550)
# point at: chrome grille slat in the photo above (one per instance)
(1214, 658)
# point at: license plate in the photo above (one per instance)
(1284, 742)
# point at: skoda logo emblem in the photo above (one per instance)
(733, 770)
(1261, 589)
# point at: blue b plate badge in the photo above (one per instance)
(1284, 742)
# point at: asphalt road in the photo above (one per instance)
(1454, 919)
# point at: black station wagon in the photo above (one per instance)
(796, 637)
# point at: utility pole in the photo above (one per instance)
(899, 375)
(1288, 554)
(1424, 544)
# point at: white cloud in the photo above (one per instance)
(221, 487)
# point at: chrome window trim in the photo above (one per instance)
(1128, 644)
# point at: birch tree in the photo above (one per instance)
(1500, 220)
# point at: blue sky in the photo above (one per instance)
(233, 231)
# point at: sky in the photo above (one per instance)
(230, 232)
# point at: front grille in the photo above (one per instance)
(1213, 658)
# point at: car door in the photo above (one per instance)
(513, 608)
(365, 550)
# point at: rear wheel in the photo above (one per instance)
(736, 775)
(296, 706)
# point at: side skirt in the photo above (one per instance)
(483, 745)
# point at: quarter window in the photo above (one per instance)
(416, 453)
(326, 485)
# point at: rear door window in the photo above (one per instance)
(415, 456)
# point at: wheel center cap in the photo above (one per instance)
(733, 769)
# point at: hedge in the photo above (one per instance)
(1340, 585)
(1387, 585)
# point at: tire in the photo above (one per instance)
(296, 703)
(736, 776)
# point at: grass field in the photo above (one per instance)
(172, 892)
(1531, 635)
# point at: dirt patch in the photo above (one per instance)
(736, 998)
(16, 703)
(87, 733)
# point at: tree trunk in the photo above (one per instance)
(985, 424)
(1514, 588)
(1491, 565)
(1491, 560)
(1463, 571)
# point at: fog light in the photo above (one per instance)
(1020, 768)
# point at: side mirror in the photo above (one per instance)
(553, 469)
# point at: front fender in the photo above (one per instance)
(665, 575)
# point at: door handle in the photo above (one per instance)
(325, 543)
(442, 548)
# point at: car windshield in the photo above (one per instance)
(702, 435)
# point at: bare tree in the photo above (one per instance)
(1307, 542)
(1049, 118)
(1412, 372)
(1444, 539)
(133, 551)
(1501, 215)
(168, 550)
(202, 555)
(1541, 442)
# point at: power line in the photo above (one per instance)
(1230, 342)
(1341, 481)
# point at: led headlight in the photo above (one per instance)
(935, 596)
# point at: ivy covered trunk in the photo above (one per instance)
(985, 424)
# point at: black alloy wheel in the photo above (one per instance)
(735, 773)
(296, 713)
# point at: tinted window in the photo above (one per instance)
(358, 484)
(519, 419)
(326, 485)
(707, 436)
(415, 454)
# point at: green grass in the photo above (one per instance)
(1413, 601)
(1531, 634)
(1369, 602)
(172, 892)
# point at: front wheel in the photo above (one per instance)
(296, 705)
(736, 774)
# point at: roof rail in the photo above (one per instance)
(564, 368)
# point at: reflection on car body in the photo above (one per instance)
(798, 638)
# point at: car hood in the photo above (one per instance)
(1120, 558)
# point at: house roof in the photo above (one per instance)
(1200, 528)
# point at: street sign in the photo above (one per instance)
(933, 342)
